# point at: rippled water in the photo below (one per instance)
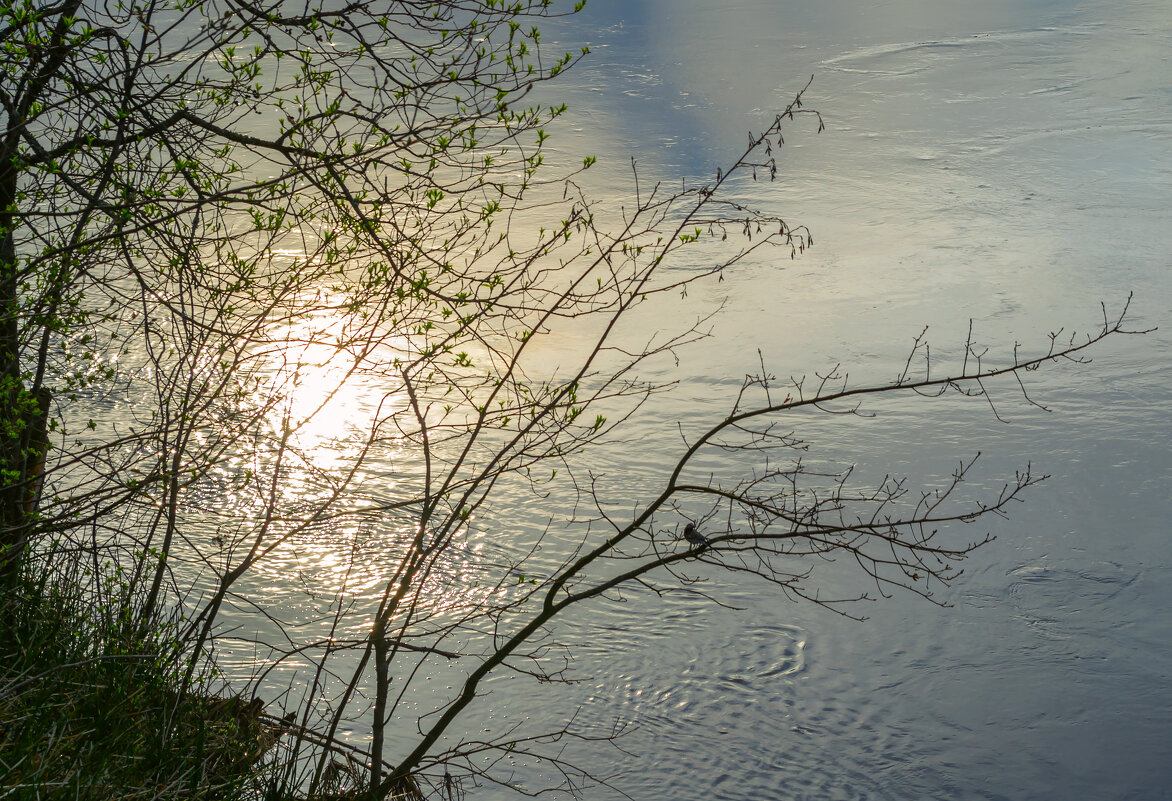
(1008, 163)
(1005, 163)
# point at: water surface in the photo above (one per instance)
(1008, 164)
(1005, 163)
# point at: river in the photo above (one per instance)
(1008, 163)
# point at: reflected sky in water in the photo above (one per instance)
(1005, 163)
(1008, 163)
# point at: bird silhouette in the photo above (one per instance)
(693, 536)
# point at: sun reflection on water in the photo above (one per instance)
(336, 471)
(320, 378)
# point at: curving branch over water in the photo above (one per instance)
(283, 282)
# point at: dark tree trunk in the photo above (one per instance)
(14, 433)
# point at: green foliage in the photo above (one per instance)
(162, 160)
(91, 708)
(211, 211)
(185, 184)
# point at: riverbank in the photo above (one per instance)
(92, 710)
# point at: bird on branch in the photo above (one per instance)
(695, 537)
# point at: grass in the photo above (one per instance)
(92, 707)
